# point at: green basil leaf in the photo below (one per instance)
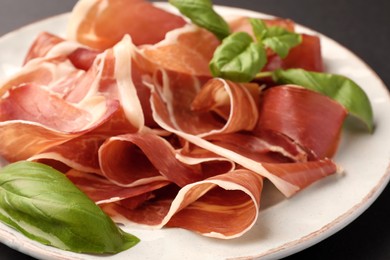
(280, 40)
(238, 58)
(337, 87)
(201, 13)
(45, 206)
(259, 28)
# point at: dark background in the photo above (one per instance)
(360, 25)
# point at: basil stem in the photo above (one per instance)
(337, 87)
(45, 206)
(201, 13)
(238, 58)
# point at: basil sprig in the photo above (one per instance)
(201, 13)
(339, 88)
(239, 58)
(45, 206)
(276, 38)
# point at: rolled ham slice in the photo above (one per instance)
(137, 158)
(288, 186)
(232, 198)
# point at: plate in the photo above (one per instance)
(284, 226)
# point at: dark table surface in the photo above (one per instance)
(360, 25)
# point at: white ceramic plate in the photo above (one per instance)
(284, 226)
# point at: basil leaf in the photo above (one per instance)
(280, 40)
(337, 87)
(201, 13)
(45, 206)
(259, 28)
(238, 58)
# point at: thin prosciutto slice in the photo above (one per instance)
(56, 73)
(259, 149)
(55, 63)
(113, 75)
(278, 174)
(188, 43)
(233, 102)
(76, 73)
(79, 153)
(303, 174)
(311, 119)
(143, 157)
(192, 108)
(44, 44)
(163, 116)
(29, 126)
(232, 199)
(306, 55)
(100, 24)
(102, 191)
(110, 77)
(82, 152)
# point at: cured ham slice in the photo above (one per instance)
(43, 43)
(29, 126)
(110, 78)
(113, 75)
(80, 56)
(55, 63)
(233, 102)
(103, 191)
(133, 158)
(190, 109)
(79, 153)
(306, 55)
(82, 152)
(207, 162)
(188, 43)
(232, 198)
(283, 182)
(307, 117)
(83, 58)
(56, 73)
(304, 173)
(163, 116)
(21, 140)
(257, 148)
(101, 24)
